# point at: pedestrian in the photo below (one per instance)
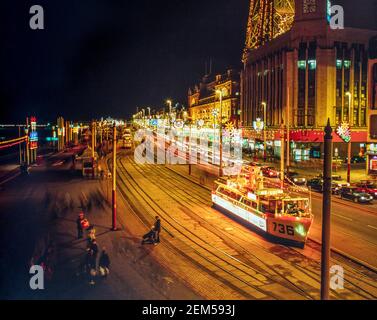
(91, 236)
(94, 248)
(90, 265)
(104, 263)
(80, 228)
(157, 230)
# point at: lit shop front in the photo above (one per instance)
(305, 145)
(372, 159)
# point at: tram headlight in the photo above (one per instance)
(300, 229)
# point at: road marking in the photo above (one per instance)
(373, 227)
(340, 216)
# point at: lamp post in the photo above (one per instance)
(264, 104)
(349, 94)
(326, 214)
(114, 205)
(282, 153)
(143, 110)
(169, 102)
(221, 131)
(149, 115)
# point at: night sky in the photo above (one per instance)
(107, 57)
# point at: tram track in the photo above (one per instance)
(128, 182)
(313, 274)
(246, 256)
(198, 244)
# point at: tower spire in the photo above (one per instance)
(267, 20)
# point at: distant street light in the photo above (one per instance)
(349, 94)
(220, 93)
(169, 102)
(264, 104)
(143, 110)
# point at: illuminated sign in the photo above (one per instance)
(33, 145)
(49, 139)
(34, 136)
(328, 11)
(270, 192)
(258, 125)
(373, 165)
(372, 148)
(252, 196)
(344, 132)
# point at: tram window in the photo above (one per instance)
(272, 206)
(247, 202)
(292, 208)
(279, 206)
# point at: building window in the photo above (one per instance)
(347, 64)
(301, 64)
(312, 64)
(373, 127)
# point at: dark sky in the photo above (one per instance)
(106, 57)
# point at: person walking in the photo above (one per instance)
(157, 230)
(94, 248)
(80, 230)
(90, 265)
(104, 263)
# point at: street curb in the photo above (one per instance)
(349, 257)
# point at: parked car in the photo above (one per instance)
(367, 187)
(295, 178)
(338, 186)
(356, 159)
(270, 172)
(351, 193)
(316, 184)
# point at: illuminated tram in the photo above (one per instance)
(271, 210)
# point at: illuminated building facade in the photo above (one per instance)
(372, 89)
(307, 72)
(204, 102)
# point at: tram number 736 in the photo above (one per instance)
(283, 229)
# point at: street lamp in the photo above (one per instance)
(349, 94)
(149, 115)
(221, 131)
(169, 102)
(143, 110)
(264, 104)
